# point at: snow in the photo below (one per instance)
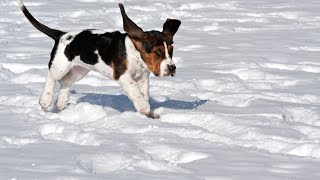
(245, 103)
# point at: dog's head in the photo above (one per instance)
(155, 47)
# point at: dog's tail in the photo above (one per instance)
(53, 33)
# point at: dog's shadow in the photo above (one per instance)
(122, 103)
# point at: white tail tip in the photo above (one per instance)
(20, 3)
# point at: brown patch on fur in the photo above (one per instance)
(170, 50)
(153, 62)
(152, 57)
(119, 69)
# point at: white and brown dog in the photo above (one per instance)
(127, 58)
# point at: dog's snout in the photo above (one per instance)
(172, 69)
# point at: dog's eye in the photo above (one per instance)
(159, 53)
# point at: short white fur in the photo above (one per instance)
(164, 71)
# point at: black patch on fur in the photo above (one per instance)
(147, 46)
(110, 46)
(112, 50)
(53, 52)
(154, 38)
(170, 27)
(83, 45)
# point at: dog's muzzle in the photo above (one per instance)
(172, 70)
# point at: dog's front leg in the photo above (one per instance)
(131, 87)
(143, 83)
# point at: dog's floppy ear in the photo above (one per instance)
(170, 27)
(129, 26)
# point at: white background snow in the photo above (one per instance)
(245, 103)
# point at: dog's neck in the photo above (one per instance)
(133, 53)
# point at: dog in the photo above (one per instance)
(128, 58)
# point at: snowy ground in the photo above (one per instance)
(245, 103)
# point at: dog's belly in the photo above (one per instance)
(104, 69)
(100, 67)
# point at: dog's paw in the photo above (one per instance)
(62, 103)
(45, 102)
(63, 99)
(61, 106)
(153, 115)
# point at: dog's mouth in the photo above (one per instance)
(169, 71)
(165, 74)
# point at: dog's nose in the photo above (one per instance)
(172, 69)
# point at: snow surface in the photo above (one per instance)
(245, 103)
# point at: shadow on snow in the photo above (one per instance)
(122, 102)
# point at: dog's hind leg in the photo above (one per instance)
(76, 73)
(48, 92)
(57, 70)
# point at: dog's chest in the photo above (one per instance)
(136, 68)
